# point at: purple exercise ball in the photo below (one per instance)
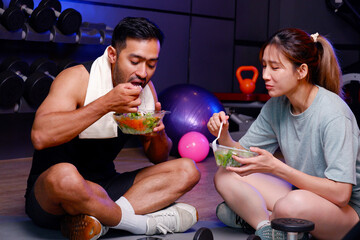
(191, 107)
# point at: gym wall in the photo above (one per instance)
(205, 42)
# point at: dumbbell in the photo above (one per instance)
(68, 21)
(292, 226)
(11, 18)
(36, 85)
(11, 86)
(13, 75)
(41, 18)
(253, 237)
(203, 234)
(42, 71)
(45, 66)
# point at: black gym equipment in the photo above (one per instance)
(203, 234)
(88, 36)
(253, 237)
(42, 74)
(36, 85)
(41, 18)
(11, 18)
(11, 89)
(292, 226)
(105, 31)
(44, 66)
(69, 21)
(13, 75)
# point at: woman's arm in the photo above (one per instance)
(336, 192)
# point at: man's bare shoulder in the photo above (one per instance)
(75, 75)
(70, 85)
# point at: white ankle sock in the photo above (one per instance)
(130, 222)
(125, 205)
(262, 223)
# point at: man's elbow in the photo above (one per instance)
(37, 140)
(155, 159)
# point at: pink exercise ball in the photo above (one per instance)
(194, 145)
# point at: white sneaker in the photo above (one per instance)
(82, 227)
(227, 216)
(179, 217)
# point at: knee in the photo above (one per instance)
(63, 178)
(189, 173)
(293, 205)
(222, 180)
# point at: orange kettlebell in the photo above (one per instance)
(247, 85)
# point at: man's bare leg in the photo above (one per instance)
(61, 189)
(160, 185)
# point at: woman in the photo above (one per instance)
(317, 134)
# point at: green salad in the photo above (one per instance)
(139, 122)
(224, 157)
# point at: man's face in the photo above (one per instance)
(137, 62)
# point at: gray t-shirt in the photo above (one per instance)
(323, 141)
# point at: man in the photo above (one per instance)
(73, 182)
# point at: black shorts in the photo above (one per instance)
(116, 186)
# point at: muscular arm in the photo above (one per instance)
(157, 148)
(62, 116)
(157, 145)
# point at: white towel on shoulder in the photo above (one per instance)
(100, 83)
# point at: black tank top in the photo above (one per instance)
(92, 157)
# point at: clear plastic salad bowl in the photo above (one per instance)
(223, 155)
(138, 123)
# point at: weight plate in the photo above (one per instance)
(69, 21)
(15, 64)
(11, 89)
(54, 4)
(292, 225)
(44, 65)
(13, 19)
(37, 87)
(20, 3)
(42, 19)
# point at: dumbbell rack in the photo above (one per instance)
(42, 26)
(88, 34)
(25, 87)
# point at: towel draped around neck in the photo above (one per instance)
(100, 83)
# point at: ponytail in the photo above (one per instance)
(315, 51)
(329, 71)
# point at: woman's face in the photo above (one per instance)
(279, 74)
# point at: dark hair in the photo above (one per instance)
(317, 52)
(136, 28)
